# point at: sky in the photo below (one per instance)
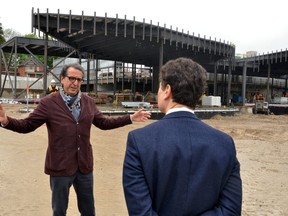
(251, 25)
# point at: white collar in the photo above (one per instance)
(179, 109)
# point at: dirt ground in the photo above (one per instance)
(262, 148)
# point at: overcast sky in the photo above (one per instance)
(251, 25)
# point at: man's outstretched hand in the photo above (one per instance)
(3, 117)
(140, 116)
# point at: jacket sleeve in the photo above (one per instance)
(230, 200)
(136, 190)
(31, 123)
(107, 123)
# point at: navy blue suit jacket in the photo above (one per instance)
(181, 166)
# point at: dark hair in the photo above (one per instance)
(186, 78)
(73, 65)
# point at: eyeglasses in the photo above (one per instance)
(73, 79)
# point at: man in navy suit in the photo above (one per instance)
(180, 166)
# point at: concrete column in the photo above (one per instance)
(161, 53)
(268, 97)
(88, 75)
(223, 75)
(114, 81)
(272, 87)
(14, 90)
(45, 65)
(215, 80)
(133, 80)
(244, 72)
(286, 84)
(123, 75)
(96, 76)
(228, 100)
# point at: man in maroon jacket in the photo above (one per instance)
(68, 115)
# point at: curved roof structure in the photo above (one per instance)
(151, 45)
(129, 40)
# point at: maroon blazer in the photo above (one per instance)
(69, 146)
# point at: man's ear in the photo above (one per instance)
(168, 92)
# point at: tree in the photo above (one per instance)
(2, 39)
(31, 36)
(10, 33)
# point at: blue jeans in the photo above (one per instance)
(83, 185)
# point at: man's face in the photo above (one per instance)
(53, 84)
(72, 81)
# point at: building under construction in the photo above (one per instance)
(137, 50)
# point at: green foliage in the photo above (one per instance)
(31, 36)
(2, 39)
(10, 33)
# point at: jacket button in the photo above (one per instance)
(78, 148)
